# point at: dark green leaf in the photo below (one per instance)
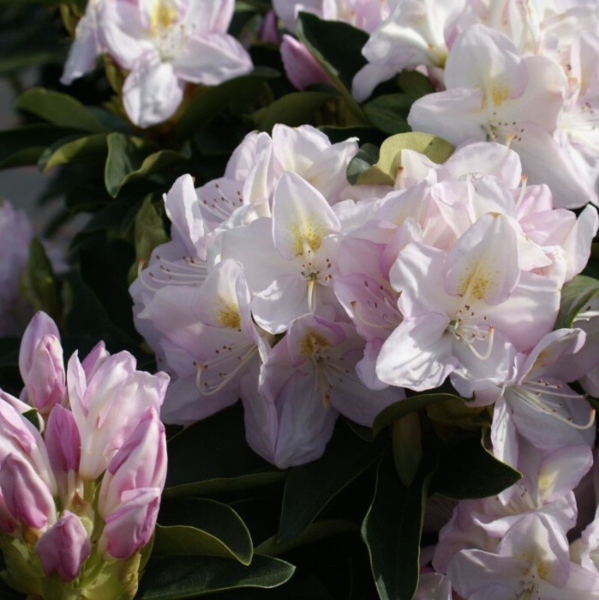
(393, 527)
(74, 149)
(174, 578)
(59, 109)
(337, 47)
(313, 533)
(403, 408)
(38, 283)
(415, 84)
(228, 463)
(576, 294)
(292, 110)
(389, 113)
(201, 527)
(125, 156)
(23, 146)
(367, 156)
(311, 487)
(33, 417)
(468, 470)
(237, 96)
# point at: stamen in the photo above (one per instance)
(207, 389)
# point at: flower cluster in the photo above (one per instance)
(83, 465)
(306, 297)
(164, 45)
(521, 72)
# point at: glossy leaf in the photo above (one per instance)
(178, 577)
(238, 96)
(315, 532)
(74, 149)
(402, 408)
(24, 145)
(202, 527)
(407, 447)
(468, 470)
(59, 109)
(389, 112)
(292, 110)
(227, 464)
(309, 488)
(576, 294)
(337, 47)
(392, 529)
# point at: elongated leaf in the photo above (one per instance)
(238, 96)
(293, 110)
(73, 149)
(393, 527)
(228, 463)
(337, 47)
(385, 170)
(177, 577)
(57, 108)
(415, 84)
(402, 408)
(311, 487)
(38, 284)
(576, 294)
(315, 532)
(468, 470)
(202, 527)
(389, 112)
(24, 145)
(128, 160)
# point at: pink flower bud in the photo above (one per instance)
(45, 381)
(269, 31)
(109, 406)
(40, 325)
(63, 441)
(301, 67)
(27, 497)
(64, 547)
(140, 463)
(130, 527)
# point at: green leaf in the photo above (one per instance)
(309, 488)
(238, 96)
(576, 294)
(402, 408)
(293, 110)
(337, 47)
(201, 527)
(38, 283)
(33, 417)
(24, 145)
(321, 530)
(57, 108)
(407, 447)
(392, 529)
(228, 463)
(457, 413)
(73, 149)
(174, 578)
(415, 84)
(389, 112)
(367, 156)
(385, 171)
(128, 161)
(149, 233)
(468, 470)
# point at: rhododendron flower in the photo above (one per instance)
(163, 45)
